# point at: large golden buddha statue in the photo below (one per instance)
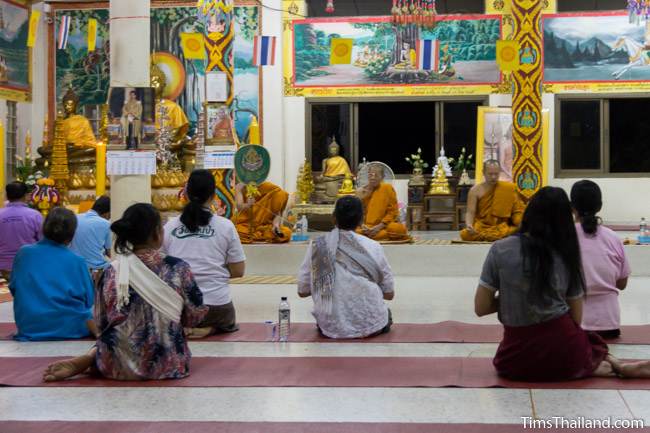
(335, 170)
(79, 136)
(174, 117)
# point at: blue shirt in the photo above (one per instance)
(53, 293)
(92, 239)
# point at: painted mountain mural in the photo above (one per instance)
(594, 48)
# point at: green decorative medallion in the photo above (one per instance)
(252, 164)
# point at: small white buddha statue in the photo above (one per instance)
(444, 162)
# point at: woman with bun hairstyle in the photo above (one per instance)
(604, 264)
(144, 301)
(51, 286)
(210, 244)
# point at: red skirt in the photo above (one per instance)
(547, 352)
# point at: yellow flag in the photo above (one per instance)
(341, 51)
(92, 34)
(508, 55)
(33, 27)
(193, 47)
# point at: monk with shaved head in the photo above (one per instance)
(494, 209)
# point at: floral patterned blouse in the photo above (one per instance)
(136, 341)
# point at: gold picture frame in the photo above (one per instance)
(218, 124)
(494, 134)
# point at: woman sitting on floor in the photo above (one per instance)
(605, 266)
(538, 276)
(144, 300)
(51, 286)
(211, 246)
(348, 277)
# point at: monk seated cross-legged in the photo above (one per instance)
(381, 212)
(259, 219)
(494, 209)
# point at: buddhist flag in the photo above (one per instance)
(264, 50)
(341, 51)
(64, 32)
(428, 55)
(33, 27)
(508, 55)
(92, 34)
(193, 46)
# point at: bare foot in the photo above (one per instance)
(605, 369)
(197, 333)
(60, 370)
(639, 370)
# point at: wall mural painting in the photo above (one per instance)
(384, 54)
(603, 47)
(14, 55)
(89, 73)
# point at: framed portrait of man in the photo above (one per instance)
(131, 117)
(218, 124)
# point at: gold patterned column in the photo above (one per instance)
(59, 169)
(527, 170)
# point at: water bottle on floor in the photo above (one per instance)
(284, 319)
(304, 228)
(643, 231)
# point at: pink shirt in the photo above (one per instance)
(604, 263)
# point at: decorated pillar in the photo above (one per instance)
(218, 20)
(129, 68)
(527, 131)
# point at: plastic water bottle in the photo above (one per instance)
(643, 228)
(297, 231)
(284, 319)
(304, 228)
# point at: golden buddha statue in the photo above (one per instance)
(79, 137)
(335, 170)
(439, 183)
(174, 117)
(347, 188)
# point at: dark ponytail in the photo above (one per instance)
(137, 225)
(200, 189)
(587, 201)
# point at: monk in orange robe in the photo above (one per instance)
(494, 209)
(259, 219)
(381, 212)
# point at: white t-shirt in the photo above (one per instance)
(358, 307)
(208, 252)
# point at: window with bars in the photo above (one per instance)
(11, 139)
(93, 114)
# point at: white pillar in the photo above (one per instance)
(129, 38)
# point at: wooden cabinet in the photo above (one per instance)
(440, 212)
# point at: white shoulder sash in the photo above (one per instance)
(130, 271)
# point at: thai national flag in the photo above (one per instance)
(264, 50)
(427, 53)
(64, 32)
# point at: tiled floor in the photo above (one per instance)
(418, 300)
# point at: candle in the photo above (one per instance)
(254, 132)
(100, 172)
(2, 164)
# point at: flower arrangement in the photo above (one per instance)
(463, 162)
(416, 161)
(25, 166)
(45, 195)
(638, 10)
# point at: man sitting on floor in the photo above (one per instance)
(381, 212)
(348, 277)
(259, 219)
(494, 209)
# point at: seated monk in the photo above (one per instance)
(381, 212)
(494, 209)
(259, 219)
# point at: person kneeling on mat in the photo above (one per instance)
(348, 277)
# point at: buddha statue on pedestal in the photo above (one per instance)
(173, 118)
(78, 135)
(335, 169)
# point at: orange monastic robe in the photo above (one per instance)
(381, 207)
(498, 215)
(269, 204)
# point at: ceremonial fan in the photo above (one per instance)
(362, 173)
